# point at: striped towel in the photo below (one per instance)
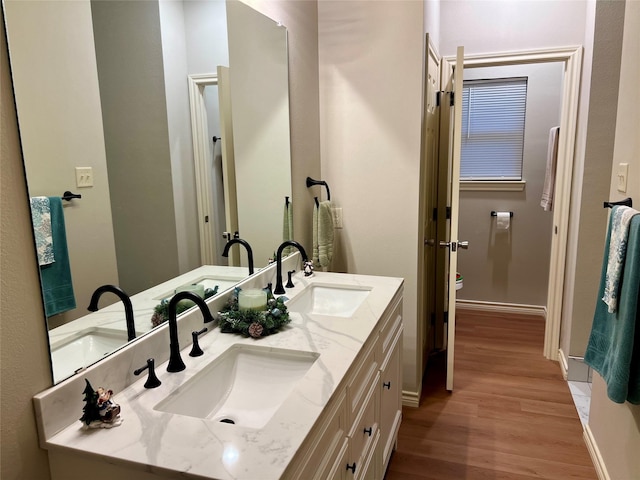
(620, 220)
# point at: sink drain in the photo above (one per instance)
(227, 420)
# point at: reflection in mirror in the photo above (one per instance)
(102, 93)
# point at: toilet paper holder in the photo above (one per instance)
(495, 214)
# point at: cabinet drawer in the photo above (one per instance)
(390, 328)
(323, 446)
(361, 381)
(364, 430)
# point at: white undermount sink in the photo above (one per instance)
(244, 386)
(84, 348)
(331, 300)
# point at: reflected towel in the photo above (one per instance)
(550, 174)
(41, 219)
(287, 226)
(57, 288)
(620, 220)
(614, 344)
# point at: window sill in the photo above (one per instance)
(492, 186)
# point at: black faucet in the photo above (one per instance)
(175, 360)
(128, 307)
(225, 253)
(289, 243)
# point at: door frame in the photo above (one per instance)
(201, 153)
(572, 59)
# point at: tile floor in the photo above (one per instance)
(581, 393)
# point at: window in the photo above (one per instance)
(493, 113)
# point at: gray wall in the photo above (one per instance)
(24, 353)
(512, 266)
(134, 112)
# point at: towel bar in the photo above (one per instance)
(68, 196)
(627, 202)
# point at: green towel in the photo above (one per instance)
(57, 287)
(614, 344)
(324, 234)
(287, 226)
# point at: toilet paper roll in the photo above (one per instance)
(503, 220)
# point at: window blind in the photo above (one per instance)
(493, 118)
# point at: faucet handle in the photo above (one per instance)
(196, 351)
(152, 380)
(289, 282)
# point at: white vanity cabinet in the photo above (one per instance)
(340, 421)
(354, 438)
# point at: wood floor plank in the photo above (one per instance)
(510, 416)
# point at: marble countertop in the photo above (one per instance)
(110, 320)
(189, 447)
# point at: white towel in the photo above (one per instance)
(550, 174)
(41, 218)
(620, 221)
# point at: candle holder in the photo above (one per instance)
(248, 318)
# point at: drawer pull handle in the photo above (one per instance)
(368, 430)
(387, 385)
(352, 467)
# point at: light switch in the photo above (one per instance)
(623, 172)
(337, 217)
(84, 177)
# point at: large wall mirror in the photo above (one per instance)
(103, 97)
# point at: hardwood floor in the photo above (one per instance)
(510, 416)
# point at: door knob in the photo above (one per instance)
(445, 244)
(464, 245)
(430, 242)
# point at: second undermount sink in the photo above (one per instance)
(84, 348)
(244, 386)
(331, 300)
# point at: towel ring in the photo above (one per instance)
(311, 182)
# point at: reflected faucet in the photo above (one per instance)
(175, 360)
(128, 307)
(289, 243)
(246, 245)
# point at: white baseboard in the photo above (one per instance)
(497, 307)
(564, 364)
(596, 457)
(410, 399)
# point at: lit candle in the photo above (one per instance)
(252, 299)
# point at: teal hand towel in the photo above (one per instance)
(614, 344)
(57, 287)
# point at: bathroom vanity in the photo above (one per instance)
(320, 399)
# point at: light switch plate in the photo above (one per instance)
(337, 217)
(84, 177)
(623, 173)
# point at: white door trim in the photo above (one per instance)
(572, 59)
(201, 154)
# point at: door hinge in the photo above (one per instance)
(438, 95)
(451, 99)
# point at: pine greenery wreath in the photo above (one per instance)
(161, 311)
(252, 323)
